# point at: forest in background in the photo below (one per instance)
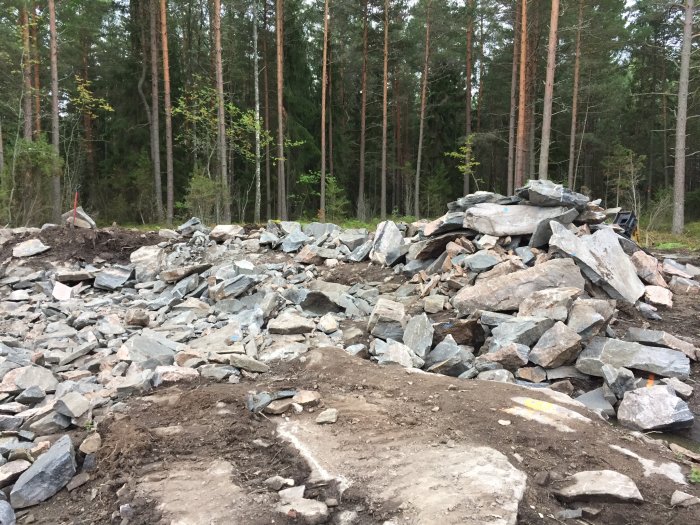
(240, 111)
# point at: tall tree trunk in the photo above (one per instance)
(36, 84)
(87, 119)
(324, 87)
(521, 142)
(468, 77)
(513, 97)
(549, 91)
(385, 104)
(281, 183)
(361, 211)
(256, 88)
(480, 94)
(170, 190)
(56, 179)
(2, 150)
(266, 89)
(681, 120)
(155, 118)
(421, 125)
(26, 75)
(574, 101)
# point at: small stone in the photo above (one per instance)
(328, 324)
(658, 296)
(683, 499)
(434, 304)
(600, 485)
(10, 471)
(29, 248)
(289, 324)
(137, 317)
(307, 398)
(170, 375)
(73, 405)
(277, 482)
(91, 444)
(328, 416)
(78, 481)
(504, 422)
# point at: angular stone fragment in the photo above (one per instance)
(113, 278)
(394, 353)
(224, 232)
(248, 363)
(683, 390)
(47, 475)
(523, 330)
(532, 374)
(553, 303)
(648, 268)
(558, 346)
(654, 408)
(602, 260)
(418, 335)
(499, 376)
(449, 358)
(588, 317)
(683, 499)
(170, 375)
(547, 193)
(148, 261)
(73, 405)
(177, 274)
(600, 485)
(36, 376)
(508, 292)
(498, 220)
(510, 356)
(433, 247)
(543, 232)
(619, 380)
(29, 248)
(448, 222)
(683, 286)
(386, 248)
(595, 401)
(658, 296)
(660, 338)
(289, 323)
(146, 352)
(660, 361)
(388, 320)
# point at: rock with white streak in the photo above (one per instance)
(29, 248)
(387, 245)
(600, 485)
(498, 220)
(553, 303)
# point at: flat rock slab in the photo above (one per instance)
(605, 351)
(498, 220)
(548, 193)
(600, 485)
(661, 338)
(29, 248)
(601, 259)
(507, 292)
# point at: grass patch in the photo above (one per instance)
(665, 240)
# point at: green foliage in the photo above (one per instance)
(465, 155)
(337, 203)
(623, 171)
(694, 476)
(436, 192)
(203, 197)
(25, 183)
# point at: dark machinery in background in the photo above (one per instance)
(627, 221)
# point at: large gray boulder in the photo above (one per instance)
(47, 475)
(601, 259)
(387, 320)
(654, 408)
(507, 292)
(547, 193)
(498, 220)
(661, 338)
(448, 222)
(558, 346)
(604, 351)
(540, 237)
(464, 203)
(146, 352)
(294, 241)
(522, 330)
(388, 241)
(449, 358)
(553, 303)
(588, 317)
(418, 335)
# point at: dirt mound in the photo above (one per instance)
(112, 245)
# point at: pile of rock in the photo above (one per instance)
(519, 289)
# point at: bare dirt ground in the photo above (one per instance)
(195, 454)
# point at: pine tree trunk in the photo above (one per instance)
(574, 101)
(36, 84)
(56, 179)
(513, 97)
(468, 90)
(281, 182)
(87, 120)
(324, 87)
(549, 91)
(385, 104)
(256, 88)
(361, 211)
(521, 142)
(480, 93)
(681, 121)
(26, 76)
(266, 89)
(155, 118)
(169, 190)
(2, 150)
(421, 125)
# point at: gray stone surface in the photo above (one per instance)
(523, 330)
(510, 356)
(600, 485)
(37, 376)
(595, 401)
(558, 346)
(387, 245)
(660, 361)
(661, 338)
(588, 317)
(547, 193)
(619, 380)
(7, 513)
(146, 352)
(418, 335)
(507, 292)
(294, 241)
(601, 260)
(498, 220)
(113, 278)
(449, 358)
(553, 303)
(448, 222)
(47, 475)
(289, 323)
(654, 408)
(543, 232)
(466, 202)
(683, 286)
(29, 248)
(394, 353)
(388, 320)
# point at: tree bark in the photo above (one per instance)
(324, 87)
(170, 191)
(266, 89)
(513, 97)
(421, 125)
(385, 103)
(549, 91)
(361, 211)
(681, 121)
(480, 93)
(36, 84)
(56, 179)
(521, 142)
(281, 183)
(155, 118)
(468, 75)
(574, 101)
(256, 88)
(26, 76)
(2, 150)
(87, 118)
